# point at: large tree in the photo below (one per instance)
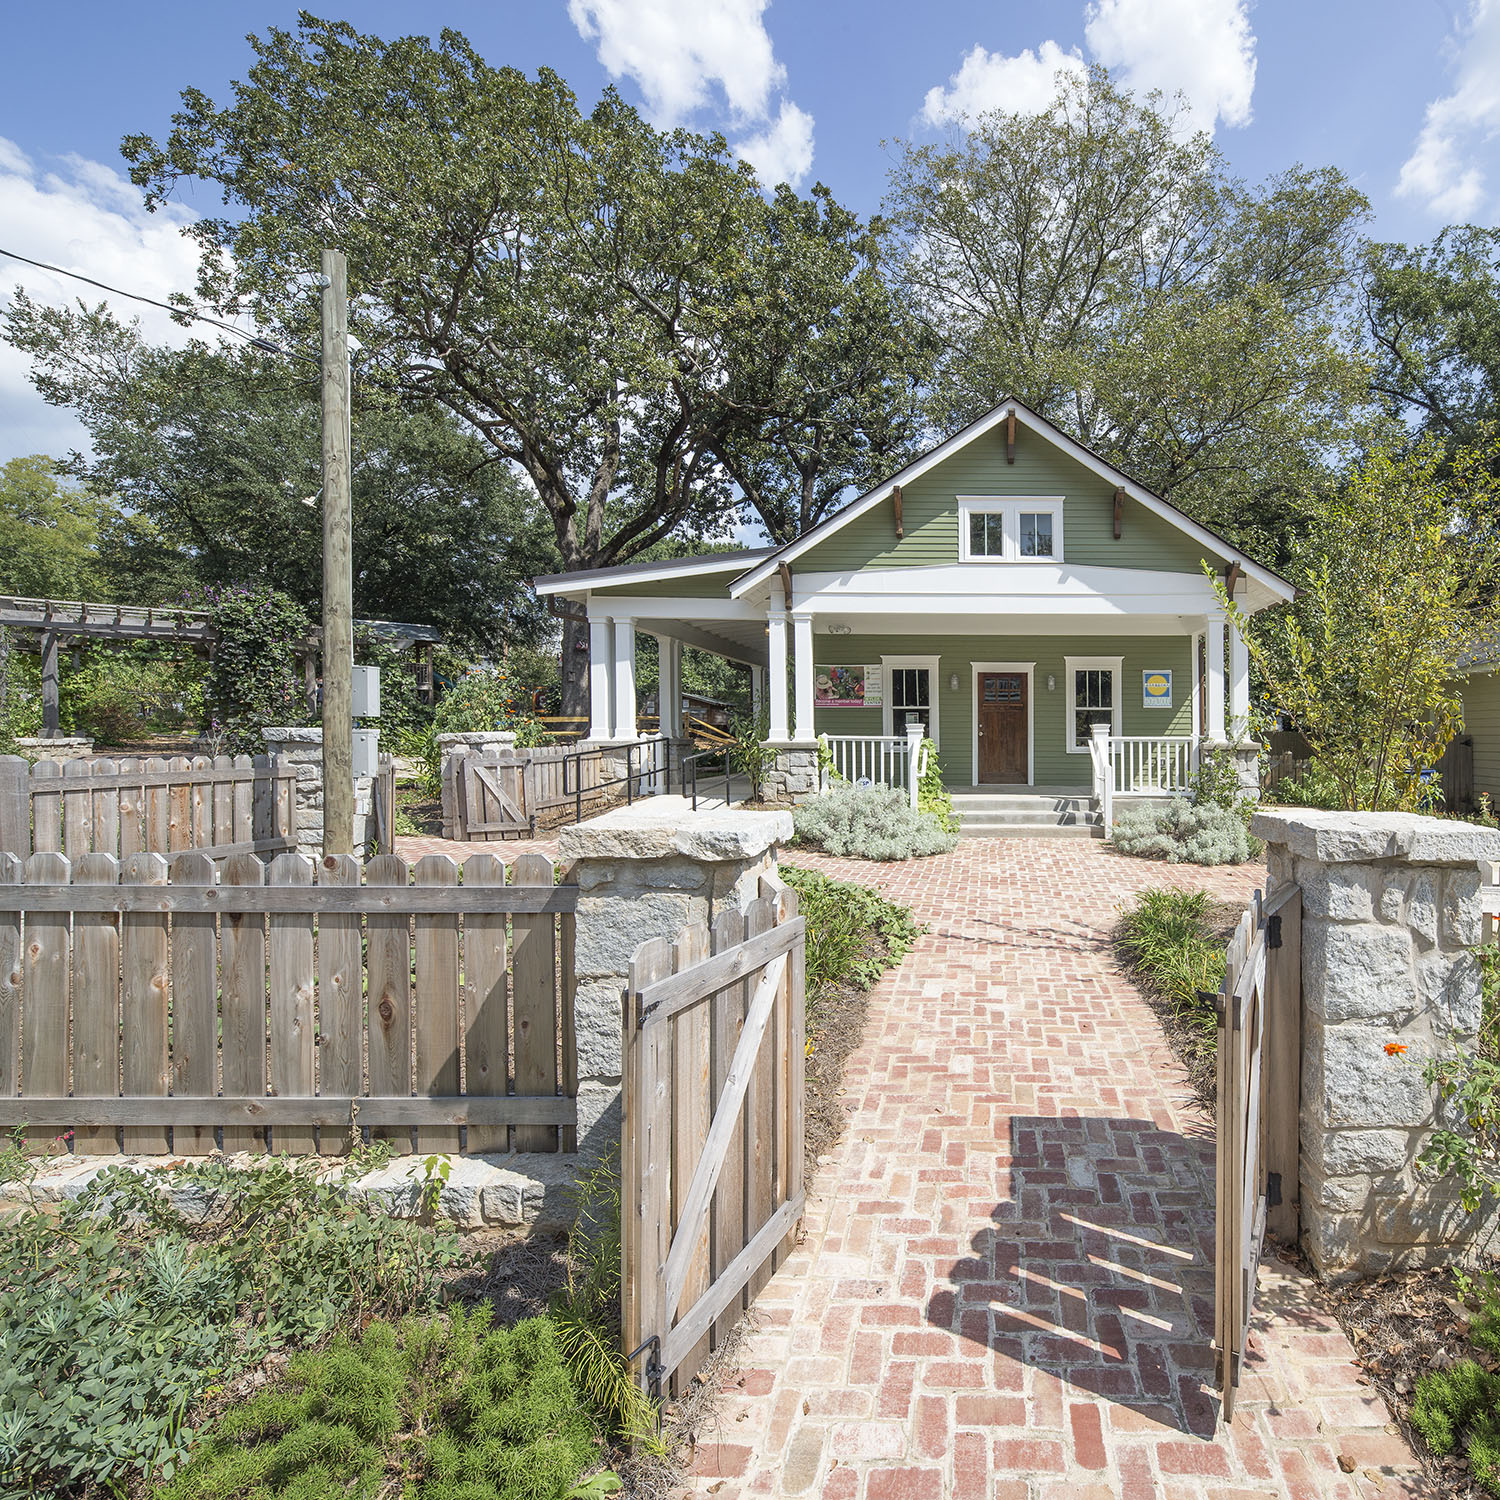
(1432, 316)
(215, 452)
(49, 532)
(1110, 272)
(576, 287)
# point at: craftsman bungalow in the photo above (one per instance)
(1045, 619)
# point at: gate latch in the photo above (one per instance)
(654, 1367)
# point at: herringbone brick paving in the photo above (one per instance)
(1006, 1284)
(1005, 1289)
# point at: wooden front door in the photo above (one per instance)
(1002, 727)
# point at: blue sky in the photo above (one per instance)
(1405, 98)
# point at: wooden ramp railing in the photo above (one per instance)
(145, 1007)
(1259, 1100)
(714, 1103)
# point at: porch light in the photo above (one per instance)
(1051, 682)
(953, 682)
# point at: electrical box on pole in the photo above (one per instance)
(365, 696)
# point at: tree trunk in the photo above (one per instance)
(575, 668)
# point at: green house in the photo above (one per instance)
(1044, 620)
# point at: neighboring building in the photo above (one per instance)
(1009, 590)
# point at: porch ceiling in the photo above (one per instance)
(738, 640)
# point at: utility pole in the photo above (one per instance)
(338, 567)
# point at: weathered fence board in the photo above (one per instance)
(709, 1193)
(221, 805)
(159, 1021)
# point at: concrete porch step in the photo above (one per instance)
(1034, 814)
(973, 829)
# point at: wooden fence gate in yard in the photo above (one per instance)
(219, 805)
(714, 1104)
(1259, 1100)
(146, 1007)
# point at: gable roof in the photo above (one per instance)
(767, 566)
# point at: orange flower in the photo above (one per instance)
(1394, 1049)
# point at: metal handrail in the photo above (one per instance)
(632, 779)
(689, 767)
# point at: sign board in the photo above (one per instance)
(846, 687)
(1156, 687)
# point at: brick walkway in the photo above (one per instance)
(1005, 1289)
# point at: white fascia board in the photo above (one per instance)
(663, 607)
(1012, 588)
(1276, 587)
(586, 580)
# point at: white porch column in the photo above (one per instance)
(601, 664)
(1195, 708)
(776, 644)
(802, 651)
(757, 691)
(1239, 684)
(1216, 678)
(624, 726)
(669, 686)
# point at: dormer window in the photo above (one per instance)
(1010, 530)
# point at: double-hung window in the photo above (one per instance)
(1010, 530)
(1093, 697)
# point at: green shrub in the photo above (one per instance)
(870, 823)
(118, 1311)
(932, 795)
(1165, 936)
(1447, 1401)
(853, 933)
(124, 693)
(255, 679)
(442, 1410)
(485, 698)
(1184, 832)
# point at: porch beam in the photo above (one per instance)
(706, 640)
(1216, 679)
(776, 641)
(802, 651)
(624, 715)
(601, 664)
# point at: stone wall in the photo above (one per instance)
(1390, 905)
(303, 747)
(793, 776)
(58, 747)
(647, 871)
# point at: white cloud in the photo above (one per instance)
(676, 50)
(85, 218)
(1024, 84)
(783, 151)
(1201, 48)
(688, 56)
(1442, 169)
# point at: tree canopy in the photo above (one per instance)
(1114, 276)
(49, 532)
(215, 452)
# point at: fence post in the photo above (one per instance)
(915, 734)
(646, 872)
(1104, 774)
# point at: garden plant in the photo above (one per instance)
(875, 822)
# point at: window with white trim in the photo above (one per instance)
(1010, 530)
(1093, 697)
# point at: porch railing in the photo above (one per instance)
(1149, 765)
(879, 759)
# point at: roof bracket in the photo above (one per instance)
(785, 574)
(896, 501)
(1010, 436)
(1119, 512)
(1232, 577)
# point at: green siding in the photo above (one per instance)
(1054, 765)
(1481, 700)
(929, 512)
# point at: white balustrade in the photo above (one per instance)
(1151, 764)
(878, 759)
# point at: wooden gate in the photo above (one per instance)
(714, 1103)
(1259, 1096)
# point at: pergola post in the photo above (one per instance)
(51, 719)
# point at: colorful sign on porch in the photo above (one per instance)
(1156, 687)
(845, 687)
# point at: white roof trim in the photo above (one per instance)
(961, 439)
(602, 578)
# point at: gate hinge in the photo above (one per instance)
(654, 1367)
(1273, 1189)
(1273, 930)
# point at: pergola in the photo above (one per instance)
(56, 621)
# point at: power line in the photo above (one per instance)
(267, 346)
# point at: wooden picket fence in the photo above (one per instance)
(220, 805)
(713, 1127)
(150, 1008)
(1258, 1116)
